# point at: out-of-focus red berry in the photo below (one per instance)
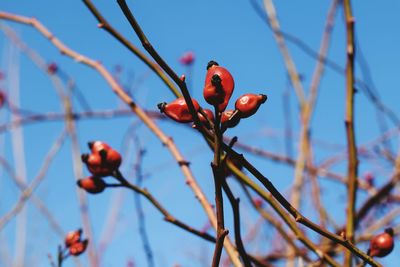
(248, 104)
(187, 58)
(382, 244)
(2, 98)
(178, 110)
(92, 184)
(218, 86)
(52, 68)
(78, 248)
(73, 237)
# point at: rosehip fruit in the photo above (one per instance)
(248, 104)
(218, 86)
(92, 184)
(229, 119)
(73, 237)
(78, 248)
(178, 110)
(382, 244)
(103, 163)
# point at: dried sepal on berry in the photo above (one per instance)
(178, 110)
(248, 104)
(218, 86)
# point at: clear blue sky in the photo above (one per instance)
(229, 32)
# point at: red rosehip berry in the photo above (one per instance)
(92, 184)
(229, 119)
(218, 86)
(187, 58)
(178, 110)
(381, 245)
(248, 104)
(73, 237)
(210, 116)
(78, 248)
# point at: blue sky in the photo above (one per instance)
(228, 32)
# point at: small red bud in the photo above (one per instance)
(258, 202)
(248, 104)
(52, 68)
(92, 184)
(382, 244)
(178, 110)
(218, 86)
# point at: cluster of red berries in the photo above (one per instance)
(101, 162)
(218, 89)
(74, 244)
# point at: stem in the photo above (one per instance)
(167, 216)
(349, 122)
(236, 217)
(218, 181)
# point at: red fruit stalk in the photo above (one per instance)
(248, 104)
(218, 86)
(178, 110)
(381, 245)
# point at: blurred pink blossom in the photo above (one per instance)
(187, 58)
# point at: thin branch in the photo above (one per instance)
(27, 193)
(350, 134)
(117, 89)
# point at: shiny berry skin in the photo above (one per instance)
(229, 119)
(78, 248)
(248, 104)
(73, 237)
(381, 245)
(218, 86)
(102, 163)
(92, 184)
(178, 110)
